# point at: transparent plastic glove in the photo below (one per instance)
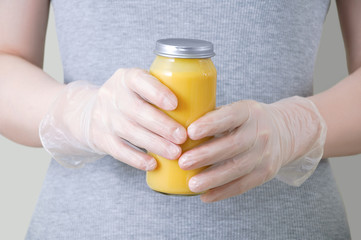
(254, 142)
(87, 122)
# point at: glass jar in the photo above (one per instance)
(186, 68)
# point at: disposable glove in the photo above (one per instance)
(253, 143)
(87, 122)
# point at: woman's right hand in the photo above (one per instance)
(87, 122)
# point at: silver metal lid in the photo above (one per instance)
(184, 48)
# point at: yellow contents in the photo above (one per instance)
(193, 81)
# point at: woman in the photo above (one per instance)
(265, 52)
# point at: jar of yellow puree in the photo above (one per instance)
(186, 68)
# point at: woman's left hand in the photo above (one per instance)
(252, 142)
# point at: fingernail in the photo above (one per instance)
(173, 151)
(193, 132)
(169, 103)
(179, 134)
(150, 165)
(194, 184)
(184, 161)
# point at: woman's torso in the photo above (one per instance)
(265, 50)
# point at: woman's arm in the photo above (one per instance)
(340, 106)
(255, 142)
(79, 122)
(25, 90)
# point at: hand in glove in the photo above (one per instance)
(254, 142)
(87, 122)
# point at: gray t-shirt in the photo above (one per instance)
(265, 50)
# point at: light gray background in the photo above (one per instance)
(22, 169)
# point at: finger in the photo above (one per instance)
(222, 148)
(263, 172)
(226, 118)
(222, 173)
(150, 88)
(234, 188)
(231, 169)
(143, 138)
(158, 122)
(120, 150)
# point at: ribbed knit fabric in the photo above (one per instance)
(265, 50)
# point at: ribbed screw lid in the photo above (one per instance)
(184, 48)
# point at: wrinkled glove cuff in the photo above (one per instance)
(299, 170)
(56, 129)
